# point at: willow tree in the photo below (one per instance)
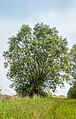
(37, 60)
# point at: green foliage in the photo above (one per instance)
(72, 92)
(37, 59)
(73, 63)
(40, 108)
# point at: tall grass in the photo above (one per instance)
(40, 108)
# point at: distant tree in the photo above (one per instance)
(0, 90)
(72, 92)
(37, 60)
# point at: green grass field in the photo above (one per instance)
(40, 108)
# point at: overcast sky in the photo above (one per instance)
(56, 13)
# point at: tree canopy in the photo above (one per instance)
(73, 63)
(37, 59)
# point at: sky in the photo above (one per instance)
(56, 13)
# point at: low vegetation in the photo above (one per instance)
(72, 92)
(38, 108)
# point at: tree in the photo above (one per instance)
(73, 63)
(72, 92)
(37, 60)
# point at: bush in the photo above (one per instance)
(72, 92)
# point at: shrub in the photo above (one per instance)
(72, 92)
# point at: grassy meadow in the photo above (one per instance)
(39, 108)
